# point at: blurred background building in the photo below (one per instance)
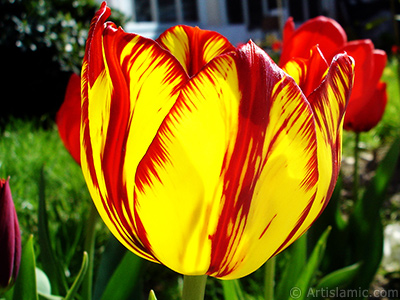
(238, 20)
(43, 41)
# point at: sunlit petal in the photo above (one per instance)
(116, 127)
(194, 47)
(308, 73)
(322, 31)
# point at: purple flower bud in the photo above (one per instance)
(10, 238)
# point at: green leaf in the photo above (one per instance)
(338, 237)
(25, 285)
(297, 253)
(373, 198)
(339, 278)
(368, 250)
(9, 294)
(125, 278)
(232, 290)
(152, 295)
(51, 266)
(110, 259)
(366, 225)
(310, 269)
(89, 247)
(79, 278)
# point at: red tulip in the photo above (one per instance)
(322, 31)
(368, 98)
(10, 239)
(69, 117)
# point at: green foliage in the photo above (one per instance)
(121, 285)
(52, 266)
(292, 268)
(59, 25)
(232, 290)
(25, 285)
(152, 295)
(25, 149)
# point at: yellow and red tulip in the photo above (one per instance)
(68, 118)
(10, 238)
(201, 156)
(368, 98)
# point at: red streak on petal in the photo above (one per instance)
(300, 222)
(242, 171)
(266, 228)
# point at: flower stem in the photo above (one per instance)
(194, 287)
(269, 280)
(90, 238)
(356, 163)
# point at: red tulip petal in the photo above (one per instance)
(379, 63)
(362, 52)
(308, 73)
(321, 31)
(368, 98)
(68, 118)
(364, 117)
(288, 30)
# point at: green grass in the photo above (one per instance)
(26, 149)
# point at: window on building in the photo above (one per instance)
(165, 11)
(142, 10)
(296, 10)
(255, 13)
(235, 11)
(190, 13)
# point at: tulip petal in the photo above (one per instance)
(380, 60)
(308, 73)
(129, 85)
(360, 118)
(68, 118)
(368, 98)
(225, 166)
(362, 52)
(194, 47)
(178, 180)
(321, 31)
(288, 30)
(329, 102)
(10, 237)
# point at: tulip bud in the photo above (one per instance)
(10, 238)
